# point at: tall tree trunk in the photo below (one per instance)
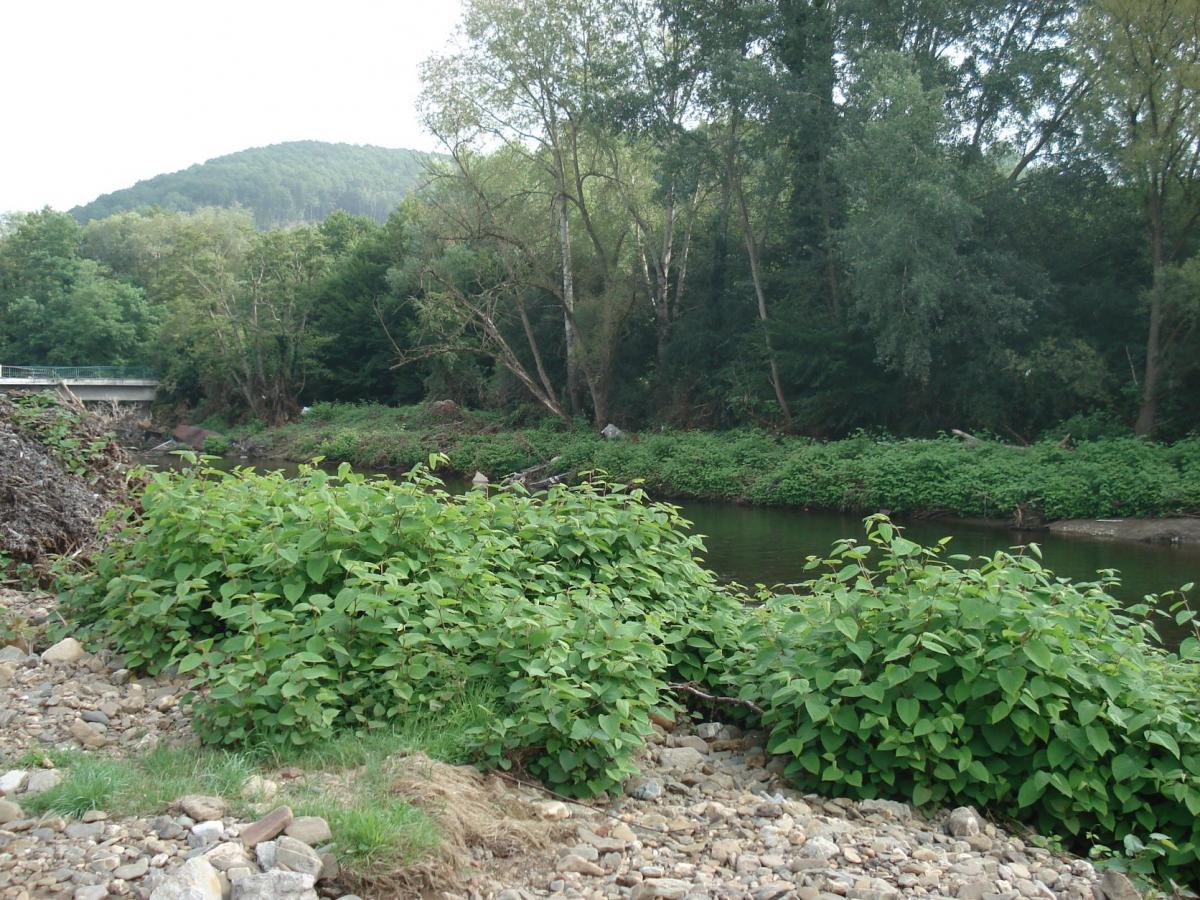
(760, 295)
(598, 388)
(756, 277)
(574, 386)
(662, 338)
(1148, 412)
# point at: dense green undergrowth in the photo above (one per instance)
(1095, 479)
(328, 604)
(897, 671)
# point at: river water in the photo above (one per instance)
(753, 545)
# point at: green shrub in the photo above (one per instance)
(217, 445)
(326, 602)
(894, 673)
(1103, 477)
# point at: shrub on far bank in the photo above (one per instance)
(1106, 477)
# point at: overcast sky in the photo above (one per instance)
(98, 94)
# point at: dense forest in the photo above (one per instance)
(284, 184)
(811, 215)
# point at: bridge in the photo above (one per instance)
(112, 384)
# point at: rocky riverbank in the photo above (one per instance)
(710, 817)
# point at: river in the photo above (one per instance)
(754, 545)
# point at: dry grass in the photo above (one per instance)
(476, 816)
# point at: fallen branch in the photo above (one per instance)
(691, 689)
(969, 439)
(535, 478)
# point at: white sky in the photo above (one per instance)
(98, 94)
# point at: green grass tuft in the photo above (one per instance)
(143, 785)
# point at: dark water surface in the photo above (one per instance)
(754, 545)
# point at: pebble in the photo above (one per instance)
(66, 701)
(296, 856)
(553, 810)
(650, 789)
(574, 863)
(88, 735)
(266, 828)
(207, 832)
(963, 822)
(680, 758)
(43, 780)
(202, 808)
(68, 650)
(10, 812)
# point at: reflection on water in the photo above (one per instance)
(754, 545)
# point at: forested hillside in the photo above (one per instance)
(284, 184)
(809, 217)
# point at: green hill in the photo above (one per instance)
(283, 184)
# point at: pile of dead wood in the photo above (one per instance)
(60, 471)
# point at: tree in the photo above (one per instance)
(660, 163)
(60, 309)
(486, 264)
(919, 277)
(252, 314)
(1144, 56)
(750, 112)
(533, 77)
(360, 307)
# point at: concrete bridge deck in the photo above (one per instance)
(113, 384)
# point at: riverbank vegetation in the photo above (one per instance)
(321, 606)
(806, 217)
(899, 669)
(1106, 477)
(329, 602)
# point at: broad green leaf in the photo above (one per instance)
(908, 710)
(1164, 740)
(1039, 653)
(1011, 680)
(848, 627)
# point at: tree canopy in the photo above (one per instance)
(810, 215)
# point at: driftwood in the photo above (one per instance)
(971, 441)
(538, 478)
(689, 688)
